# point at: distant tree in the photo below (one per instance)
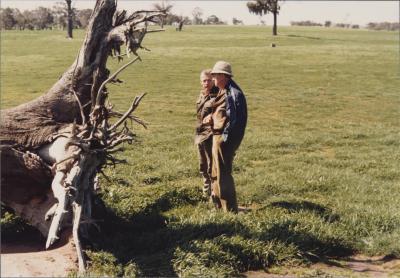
(83, 17)
(197, 13)
(305, 23)
(371, 25)
(213, 20)
(20, 20)
(42, 18)
(328, 23)
(69, 18)
(172, 18)
(394, 26)
(65, 16)
(180, 24)
(236, 21)
(59, 11)
(30, 18)
(383, 26)
(165, 6)
(261, 7)
(7, 19)
(342, 25)
(187, 20)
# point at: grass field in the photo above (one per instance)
(318, 167)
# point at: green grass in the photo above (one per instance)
(319, 165)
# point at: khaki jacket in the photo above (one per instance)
(219, 115)
(203, 108)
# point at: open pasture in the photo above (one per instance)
(318, 169)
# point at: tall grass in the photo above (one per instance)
(318, 168)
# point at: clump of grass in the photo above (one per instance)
(204, 258)
(104, 264)
(148, 200)
(10, 221)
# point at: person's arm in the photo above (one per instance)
(231, 113)
(198, 112)
(219, 116)
(237, 113)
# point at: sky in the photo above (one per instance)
(349, 12)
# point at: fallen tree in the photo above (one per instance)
(54, 147)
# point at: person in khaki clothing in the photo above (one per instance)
(203, 137)
(228, 121)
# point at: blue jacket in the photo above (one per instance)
(236, 109)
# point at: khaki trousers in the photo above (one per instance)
(205, 162)
(223, 186)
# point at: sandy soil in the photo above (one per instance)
(355, 266)
(27, 257)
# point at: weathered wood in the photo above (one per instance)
(35, 123)
(45, 178)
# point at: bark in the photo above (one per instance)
(24, 169)
(34, 123)
(40, 187)
(69, 18)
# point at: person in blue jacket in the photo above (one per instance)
(228, 123)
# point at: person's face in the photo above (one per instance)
(220, 80)
(206, 82)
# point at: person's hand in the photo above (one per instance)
(207, 120)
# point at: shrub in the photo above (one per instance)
(305, 23)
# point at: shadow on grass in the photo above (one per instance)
(304, 37)
(315, 38)
(147, 240)
(297, 206)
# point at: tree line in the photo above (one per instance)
(388, 26)
(43, 18)
(62, 15)
(57, 18)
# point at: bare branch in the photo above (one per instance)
(58, 215)
(73, 156)
(155, 31)
(80, 107)
(120, 149)
(112, 77)
(77, 210)
(134, 105)
(139, 121)
(119, 141)
(148, 16)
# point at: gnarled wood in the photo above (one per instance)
(41, 185)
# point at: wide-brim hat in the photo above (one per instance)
(222, 67)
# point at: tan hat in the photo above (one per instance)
(222, 67)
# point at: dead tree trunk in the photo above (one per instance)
(38, 181)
